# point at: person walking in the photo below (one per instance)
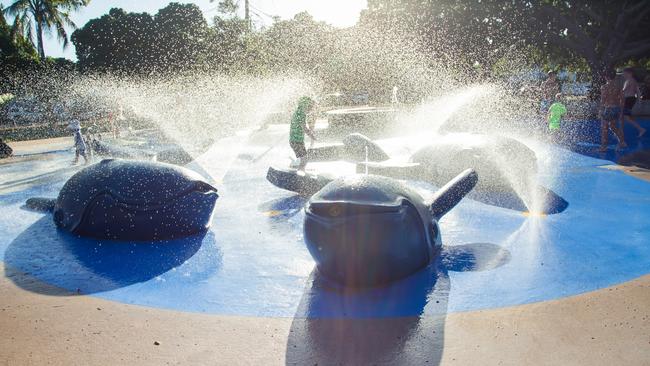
(610, 111)
(631, 93)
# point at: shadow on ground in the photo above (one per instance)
(87, 266)
(398, 324)
(586, 141)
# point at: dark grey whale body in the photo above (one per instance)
(500, 161)
(173, 154)
(133, 200)
(507, 169)
(365, 230)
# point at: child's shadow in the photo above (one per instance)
(398, 324)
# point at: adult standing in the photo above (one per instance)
(610, 111)
(631, 93)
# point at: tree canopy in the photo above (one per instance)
(600, 35)
(35, 17)
(14, 48)
(394, 42)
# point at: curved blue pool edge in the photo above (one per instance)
(253, 262)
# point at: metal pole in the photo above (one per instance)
(247, 14)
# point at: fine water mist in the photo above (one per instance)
(464, 116)
(197, 110)
(206, 115)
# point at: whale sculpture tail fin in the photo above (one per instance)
(354, 148)
(357, 147)
(40, 204)
(451, 193)
(299, 182)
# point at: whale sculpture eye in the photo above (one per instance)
(335, 210)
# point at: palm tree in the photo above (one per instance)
(44, 16)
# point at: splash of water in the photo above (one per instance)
(209, 116)
(485, 109)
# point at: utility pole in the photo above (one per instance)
(247, 14)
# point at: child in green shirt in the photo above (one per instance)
(297, 130)
(555, 113)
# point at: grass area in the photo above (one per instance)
(47, 130)
(33, 132)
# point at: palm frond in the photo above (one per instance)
(23, 26)
(59, 22)
(51, 15)
(18, 7)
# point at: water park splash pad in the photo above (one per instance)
(253, 260)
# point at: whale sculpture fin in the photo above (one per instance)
(354, 148)
(358, 147)
(40, 204)
(305, 184)
(451, 193)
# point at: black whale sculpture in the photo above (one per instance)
(365, 230)
(132, 200)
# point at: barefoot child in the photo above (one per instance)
(298, 129)
(555, 113)
(79, 143)
(630, 94)
(610, 111)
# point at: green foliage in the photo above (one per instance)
(116, 41)
(5, 98)
(181, 36)
(232, 45)
(227, 6)
(14, 48)
(587, 36)
(42, 131)
(299, 44)
(395, 42)
(34, 17)
(177, 38)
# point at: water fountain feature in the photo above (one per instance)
(253, 261)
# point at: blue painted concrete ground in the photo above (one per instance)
(253, 261)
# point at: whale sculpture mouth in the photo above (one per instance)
(344, 210)
(139, 204)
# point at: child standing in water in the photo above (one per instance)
(555, 113)
(630, 94)
(299, 127)
(610, 111)
(79, 143)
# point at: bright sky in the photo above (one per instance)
(340, 13)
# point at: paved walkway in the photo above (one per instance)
(606, 327)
